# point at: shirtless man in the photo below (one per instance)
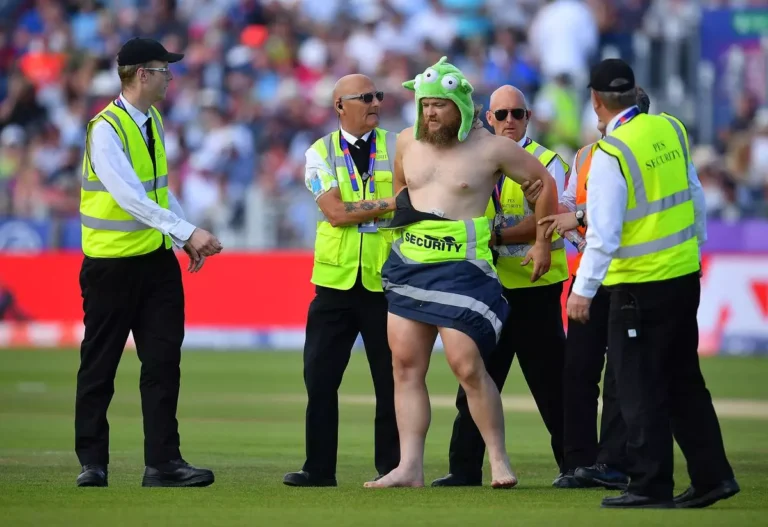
(439, 277)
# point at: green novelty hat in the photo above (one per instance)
(443, 80)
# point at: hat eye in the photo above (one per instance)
(450, 82)
(430, 75)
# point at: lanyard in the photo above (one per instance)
(351, 166)
(627, 117)
(496, 197)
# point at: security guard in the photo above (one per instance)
(350, 174)
(534, 329)
(130, 278)
(587, 462)
(646, 221)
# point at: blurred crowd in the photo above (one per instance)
(253, 91)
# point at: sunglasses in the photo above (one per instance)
(367, 98)
(517, 113)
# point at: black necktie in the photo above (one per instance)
(151, 140)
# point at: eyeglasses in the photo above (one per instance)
(161, 70)
(517, 113)
(367, 98)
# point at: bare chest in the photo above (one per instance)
(456, 170)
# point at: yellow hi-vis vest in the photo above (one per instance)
(658, 235)
(108, 231)
(515, 208)
(341, 251)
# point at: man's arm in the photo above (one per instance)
(523, 232)
(520, 166)
(320, 180)
(117, 175)
(606, 205)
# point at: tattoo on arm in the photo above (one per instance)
(366, 205)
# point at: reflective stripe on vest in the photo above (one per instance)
(644, 208)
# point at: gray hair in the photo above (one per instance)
(618, 100)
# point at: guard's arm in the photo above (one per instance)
(321, 181)
(115, 172)
(343, 213)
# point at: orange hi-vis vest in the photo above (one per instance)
(582, 166)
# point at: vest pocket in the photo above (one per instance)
(328, 245)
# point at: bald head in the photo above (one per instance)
(508, 112)
(352, 85)
(357, 103)
(507, 97)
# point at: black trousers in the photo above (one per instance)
(653, 343)
(585, 353)
(335, 319)
(534, 332)
(145, 295)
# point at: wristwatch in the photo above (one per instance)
(580, 217)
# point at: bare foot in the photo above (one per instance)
(502, 475)
(397, 478)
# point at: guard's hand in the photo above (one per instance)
(195, 260)
(541, 254)
(204, 243)
(477, 124)
(560, 223)
(578, 307)
(532, 191)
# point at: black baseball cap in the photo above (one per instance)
(612, 75)
(141, 50)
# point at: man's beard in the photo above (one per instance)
(446, 135)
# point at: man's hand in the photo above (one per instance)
(477, 124)
(195, 260)
(532, 191)
(541, 254)
(203, 243)
(560, 223)
(578, 308)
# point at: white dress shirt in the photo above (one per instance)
(315, 164)
(117, 175)
(606, 207)
(568, 197)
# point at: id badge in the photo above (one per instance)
(368, 226)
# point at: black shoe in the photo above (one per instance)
(455, 480)
(176, 473)
(93, 476)
(566, 480)
(628, 500)
(601, 474)
(698, 499)
(305, 479)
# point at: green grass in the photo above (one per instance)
(236, 418)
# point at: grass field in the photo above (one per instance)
(242, 415)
